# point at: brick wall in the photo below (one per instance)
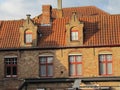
(28, 63)
(46, 14)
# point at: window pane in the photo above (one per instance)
(14, 60)
(49, 59)
(14, 70)
(72, 69)
(50, 70)
(8, 70)
(79, 69)
(78, 58)
(102, 68)
(74, 35)
(42, 60)
(43, 70)
(109, 57)
(71, 58)
(7, 61)
(109, 68)
(101, 57)
(28, 38)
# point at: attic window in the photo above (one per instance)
(74, 35)
(28, 37)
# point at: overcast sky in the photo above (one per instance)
(17, 9)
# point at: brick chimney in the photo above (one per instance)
(59, 9)
(46, 14)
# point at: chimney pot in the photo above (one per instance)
(28, 15)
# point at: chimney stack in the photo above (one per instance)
(46, 14)
(59, 4)
(59, 9)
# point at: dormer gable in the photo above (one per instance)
(74, 31)
(28, 33)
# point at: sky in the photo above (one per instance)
(17, 9)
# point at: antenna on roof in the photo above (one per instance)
(59, 4)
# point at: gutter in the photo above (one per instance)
(67, 80)
(57, 47)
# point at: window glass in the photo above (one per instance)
(109, 67)
(105, 64)
(10, 67)
(71, 58)
(28, 37)
(43, 70)
(102, 68)
(79, 69)
(50, 70)
(74, 34)
(50, 60)
(75, 66)
(78, 58)
(109, 57)
(46, 66)
(42, 60)
(14, 70)
(72, 69)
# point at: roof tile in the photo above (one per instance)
(100, 28)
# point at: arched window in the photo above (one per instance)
(74, 34)
(28, 37)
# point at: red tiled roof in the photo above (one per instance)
(81, 11)
(98, 30)
(9, 34)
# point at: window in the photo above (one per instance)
(74, 35)
(105, 64)
(41, 89)
(10, 66)
(75, 65)
(46, 66)
(28, 37)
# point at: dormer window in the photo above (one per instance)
(74, 31)
(28, 37)
(74, 35)
(28, 33)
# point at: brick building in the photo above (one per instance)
(61, 49)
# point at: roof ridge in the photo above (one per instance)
(76, 7)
